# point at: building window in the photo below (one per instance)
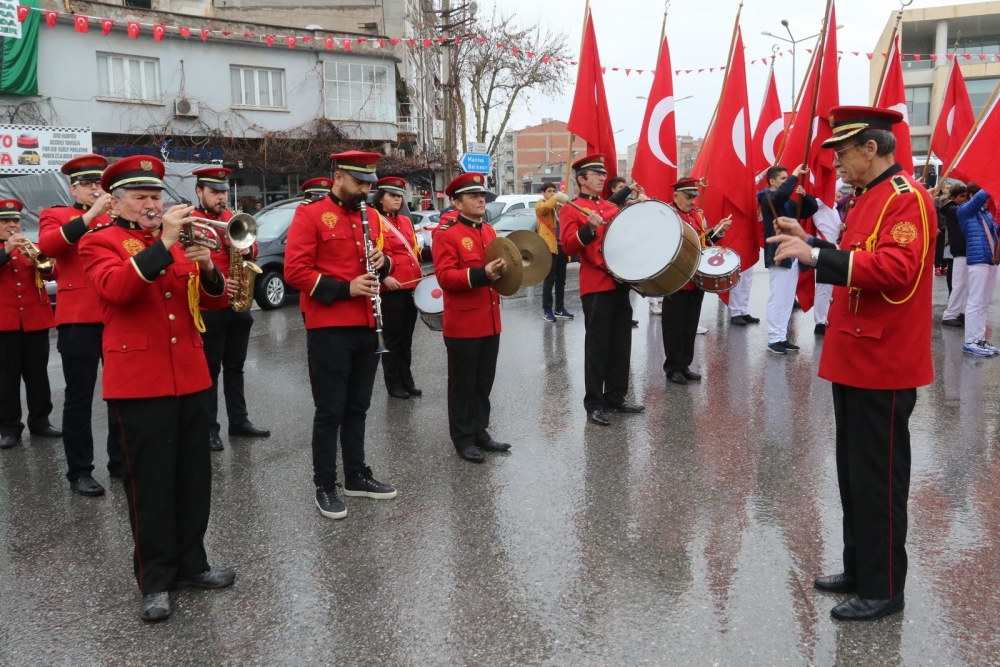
(128, 77)
(139, 4)
(354, 91)
(254, 87)
(920, 144)
(918, 105)
(979, 92)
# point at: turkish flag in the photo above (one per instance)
(80, 23)
(158, 32)
(184, 32)
(205, 34)
(106, 25)
(328, 41)
(269, 40)
(892, 95)
(22, 13)
(290, 40)
(347, 44)
(768, 134)
(730, 190)
(955, 120)
(133, 29)
(655, 166)
(50, 18)
(589, 118)
(977, 162)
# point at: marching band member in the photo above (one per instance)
(400, 312)
(317, 188)
(682, 309)
(25, 320)
(876, 352)
(227, 333)
(149, 289)
(471, 316)
(607, 310)
(78, 319)
(325, 259)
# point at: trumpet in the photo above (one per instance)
(240, 232)
(41, 262)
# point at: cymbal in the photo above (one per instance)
(510, 277)
(536, 258)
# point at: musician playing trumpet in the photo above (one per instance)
(227, 332)
(325, 260)
(151, 290)
(25, 320)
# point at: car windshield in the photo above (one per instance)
(272, 223)
(494, 209)
(522, 219)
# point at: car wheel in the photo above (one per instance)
(271, 290)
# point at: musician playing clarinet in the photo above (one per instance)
(326, 261)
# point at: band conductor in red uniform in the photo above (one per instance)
(877, 350)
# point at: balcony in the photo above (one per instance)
(406, 125)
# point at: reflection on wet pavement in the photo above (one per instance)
(687, 535)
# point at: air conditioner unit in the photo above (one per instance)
(185, 108)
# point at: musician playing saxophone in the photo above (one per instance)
(227, 332)
(325, 260)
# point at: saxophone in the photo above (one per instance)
(244, 274)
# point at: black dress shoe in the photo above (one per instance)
(635, 324)
(209, 579)
(836, 583)
(598, 417)
(249, 430)
(215, 442)
(790, 347)
(749, 319)
(952, 323)
(861, 609)
(48, 431)
(9, 441)
(413, 391)
(738, 321)
(629, 408)
(472, 453)
(690, 374)
(495, 446)
(155, 607)
(87, 486)
(399, 393)
(677, 377)
(116, 471)
(820, 329)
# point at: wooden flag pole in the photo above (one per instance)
(892, 47)
(663, 31)
(954, 61)
(572, 137)
(972, 133)
(798, 102)
(824, 33)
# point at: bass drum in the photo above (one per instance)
(648, 246)
(429, 299)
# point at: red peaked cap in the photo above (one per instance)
(136, 172)
(848, 121)
(321, 184)
(10, 208)
(216, 178)
(392, 184)
(468, 183)
(85, 168)
(358, 164)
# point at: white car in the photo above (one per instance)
(507, 203)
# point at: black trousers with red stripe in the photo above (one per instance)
(168, 484)
(873, 471)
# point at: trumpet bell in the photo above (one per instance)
(242, 231)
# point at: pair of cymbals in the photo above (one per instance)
(527, 260)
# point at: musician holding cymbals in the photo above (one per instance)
(331, 261)
(607, 310)
(471, 316)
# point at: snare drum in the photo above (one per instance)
(429, 298)
(719, 270)
(648, 246)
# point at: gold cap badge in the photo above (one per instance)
(146, 165)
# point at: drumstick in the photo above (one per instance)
(416, 280)
(563, 198)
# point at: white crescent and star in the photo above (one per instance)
(740, 136)
(771, 135)
(901, 108)
(663, 108)
(951, 119)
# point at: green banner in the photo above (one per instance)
(19, 68)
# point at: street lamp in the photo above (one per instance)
(679, 99)
(791, 40)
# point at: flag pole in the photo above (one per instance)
(947, 86)
(892, 47)
(663, 31)
(824, 33)
(968, 138)
(722, 94)
(798, 102)
(572, 137)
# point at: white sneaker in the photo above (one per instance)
(655, 309)
(978, 349)
(701, 330)
(989, 346)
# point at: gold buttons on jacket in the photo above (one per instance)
(171, 317)
(857, 331)
(163, 273)
(173, 341)
(124, 347)
(167, 295)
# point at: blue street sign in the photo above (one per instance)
(475, 162)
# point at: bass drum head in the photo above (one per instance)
(429, 297)
(642, 240)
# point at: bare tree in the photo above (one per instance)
(494, 79)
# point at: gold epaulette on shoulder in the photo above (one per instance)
(98, 228)
(901, 185)
(445, 226)
(306, 202)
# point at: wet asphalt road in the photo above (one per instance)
(687, 535)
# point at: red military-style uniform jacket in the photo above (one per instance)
(402, 251)
(578, 239)
(324, 253)
(696, 218)
(471, 305)
(152, 346)
(24, 306)
(221, 257)
(60, 229)
(880, 321)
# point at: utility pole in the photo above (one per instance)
(449, 115)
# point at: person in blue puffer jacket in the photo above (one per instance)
(982, 253)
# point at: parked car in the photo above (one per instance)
(506, 203)
(523, 218)
(424, 222)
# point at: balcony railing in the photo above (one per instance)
(406, 125)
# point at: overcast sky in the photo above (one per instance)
(699, 32)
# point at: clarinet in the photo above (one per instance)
(376, 299)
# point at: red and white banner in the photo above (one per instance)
(655, 166)
(977, 161)
(892, 95)
(955, 120)
(770, 131)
